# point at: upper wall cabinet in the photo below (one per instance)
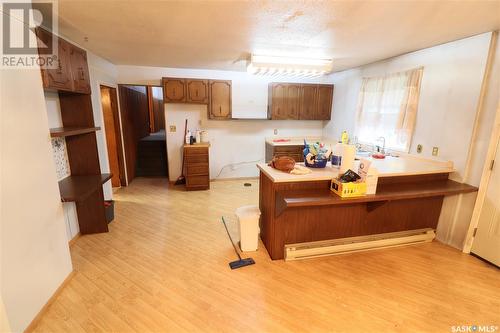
(197, 91)
(325, 100)
(308, 102)
(174, 90)
(300, 101)
(219, 106)
(71, 69)
(215, 93)
(79, 70)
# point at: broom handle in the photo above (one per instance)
(235, 249)
(184, 139)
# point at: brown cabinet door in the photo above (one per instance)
(79, 70)
(174, 90)
(277, 103)
(197, 91)
(308, 101)
(325, 98)
(220, 99)
(58, 78)
(292, 101)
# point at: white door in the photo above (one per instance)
(487, 241)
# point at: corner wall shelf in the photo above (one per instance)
(69, 131)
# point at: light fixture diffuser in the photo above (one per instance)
(275, 65)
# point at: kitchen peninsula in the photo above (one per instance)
(301, 208)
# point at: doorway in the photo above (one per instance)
(143, 120)
(109, 102)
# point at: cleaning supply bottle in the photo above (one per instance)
(344, 137)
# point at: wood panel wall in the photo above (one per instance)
(158, 111)
(135, 122)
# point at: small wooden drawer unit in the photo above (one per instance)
(197, 169)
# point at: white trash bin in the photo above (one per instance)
(248, 227)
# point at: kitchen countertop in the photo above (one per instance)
(388, 167)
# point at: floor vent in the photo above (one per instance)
(357, 244)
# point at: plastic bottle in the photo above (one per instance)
(337, 155)
(188, 137)
(344, 137)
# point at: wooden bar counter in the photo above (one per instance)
(301, 208)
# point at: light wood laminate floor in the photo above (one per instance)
(163, 267)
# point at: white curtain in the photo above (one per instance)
(387, 107)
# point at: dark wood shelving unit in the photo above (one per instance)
(70, 131)
(72, 82)
(77, 188)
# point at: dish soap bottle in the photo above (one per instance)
(344, 137)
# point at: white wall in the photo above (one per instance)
(35, 257)
(232, 142)
(449, 97)
(101, 72)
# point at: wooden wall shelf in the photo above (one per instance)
(78, 188)
(69, 131)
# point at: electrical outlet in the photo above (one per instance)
(435, 151)
(419, 148)
(275, 131)
(173, 128)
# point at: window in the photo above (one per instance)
(387, 107)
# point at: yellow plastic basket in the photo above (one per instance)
(348, 190)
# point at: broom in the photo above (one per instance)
(182, 180)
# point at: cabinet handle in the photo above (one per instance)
(220, 110)
(196, 93)
(173, 92)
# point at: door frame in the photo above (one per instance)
(118, 130)
(485, 180)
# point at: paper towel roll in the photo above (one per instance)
(348, 155)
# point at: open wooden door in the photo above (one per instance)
(113, 135)
(487, 240)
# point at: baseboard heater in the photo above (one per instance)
(357, 244)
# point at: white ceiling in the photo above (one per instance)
(221, 34)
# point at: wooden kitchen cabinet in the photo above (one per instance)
(71, 72)
(58, 78)
(197, 91)
(293, 92)
(196, 158)
(284, 101)
(215, 93)
(174, 90)
(219, 106)
(297, 101)
(79, 70)
(325, 99)
(308, 102)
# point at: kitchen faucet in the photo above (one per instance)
(383, 145)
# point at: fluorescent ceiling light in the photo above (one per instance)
(274, 65)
